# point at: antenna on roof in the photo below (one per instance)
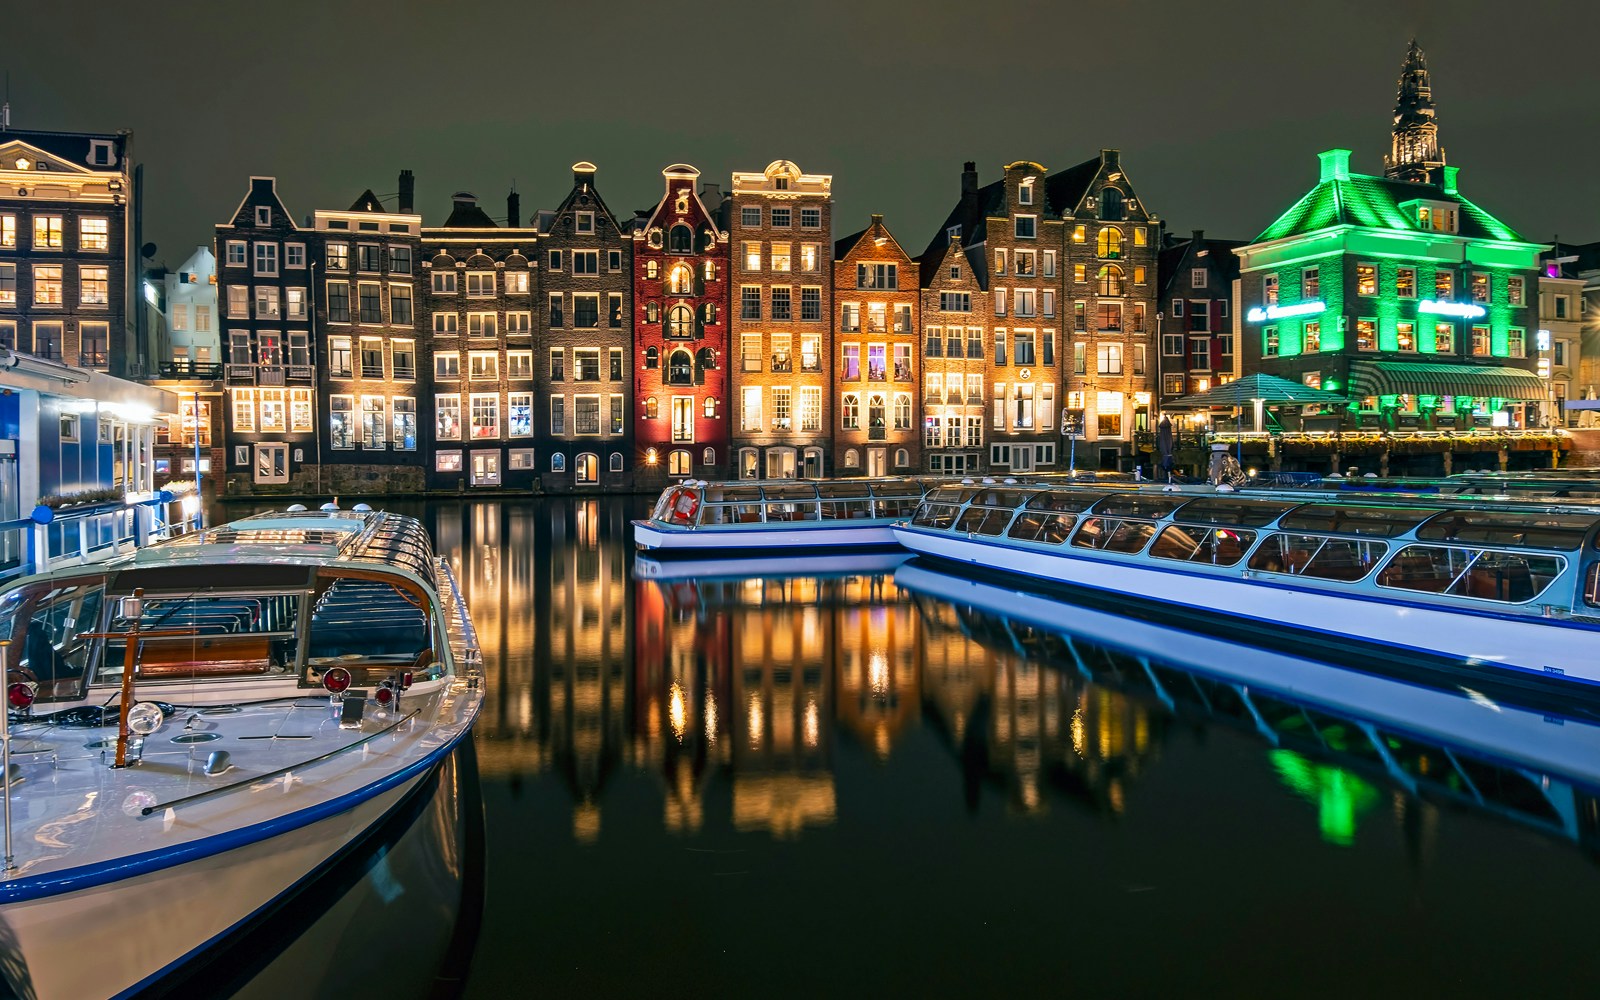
(5, 108)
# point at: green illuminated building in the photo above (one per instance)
(1397, 290)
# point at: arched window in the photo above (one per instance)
(680, 239)
(652, 408)
(850, 412)
(680, 368)
(902, 458)
(616, 461)
(558, 462)
(680, 280)
(1109, 242)
(708, 457)
(710, 313)
(678, 463)
(852, 459)
(706, 358)
(1111, 208)
(652, 357)
(587, 467)
(875, 414)
(652, 270)
(680, 322)
(902, 411)
(711, 406)
(1110, 280)
(749, 468)
(652, 312)
(711, 270)
(811, 463)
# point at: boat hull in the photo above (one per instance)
(1517, 646)
(654, 537)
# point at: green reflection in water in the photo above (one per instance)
(1340, 796)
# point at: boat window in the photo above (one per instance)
(793, 511)
(894, 506)
(1518, 528)
(1203, 544)
(732, 494)
(730, 513)
(845, 490)
(897, 488)
(935, 515)
(1009, 498)
(984, 520)
(1110, 534)
(1233, 510)
(1317, 556)
(1462, 571)
(1036, 526)
(791, 491)
(45, 622)
(1065, 501)
(219, 635)
(663, 503)
(1384, 522)
(846, 509)
(1137, 505)
(952, 494)
(369, 627)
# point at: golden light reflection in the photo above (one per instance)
(755, 722)
(878, 674)
(812, 723)
(586, 823)
(1080, 739)
(711, 718)
(676, 712)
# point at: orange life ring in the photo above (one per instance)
(685, 504)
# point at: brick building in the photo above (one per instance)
(876, 291)
(585, 329)
(680, 303)
(265, 280)
(1111, 240)
(479, 289)
(781, 221)
(67, 248)
(954, 318)
(1198, 316)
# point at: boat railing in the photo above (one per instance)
(50, 538)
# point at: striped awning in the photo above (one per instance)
(1420, 378)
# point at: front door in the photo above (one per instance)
(272, 463)
(588, 469)
(486, 468)
(780, 463)
(877, 462)
(1022, 458)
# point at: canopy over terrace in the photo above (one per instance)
(1269, 389)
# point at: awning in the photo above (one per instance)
(1420, 378)
(1242, 392)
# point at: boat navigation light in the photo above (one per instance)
(297, 508)
(336, 680)
(145, 718)
(385, 693)
(131, 609)
(406, 680)
(362, 508)
(20, 695)
(329, 507)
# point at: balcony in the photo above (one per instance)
(191, 370)
(372, 371)
(877, 433)
(241, 373)
(302, 373)
(269, 375)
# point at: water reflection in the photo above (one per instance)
(733, 687)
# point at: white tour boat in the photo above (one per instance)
(294, 679)
(703, 517)
(1499, 589)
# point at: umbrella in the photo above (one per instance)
(1164, 445)
(1243, 391)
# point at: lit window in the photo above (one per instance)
(94, 286)
(47, 232)
(94, 234)
(1366, 279)
(47, 284)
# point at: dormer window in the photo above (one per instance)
(263, 215)
(585, 223)
(780, 183)
(1025, 191)
(1434, 216)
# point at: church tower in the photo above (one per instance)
(1415, 154)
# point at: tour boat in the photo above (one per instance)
(1528, 762)
(197, 730)
(699, 516)
(1487, 589)
(846, 563)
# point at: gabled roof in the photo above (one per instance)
(72, 148)
(971, 216)
(1180, 254)
(845, 244)
(465, 214)
(931, 262)
(368, 202)
(1064, 191)
(1374, 203)
(582, 183)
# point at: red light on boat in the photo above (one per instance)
(336, 680)
(20, 695)
(405, 680)
(384, 694)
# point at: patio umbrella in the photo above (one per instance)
(1270, 389)
(1164, 446)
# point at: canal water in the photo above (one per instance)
(818, 777)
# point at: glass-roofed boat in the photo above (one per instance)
(1503, 589)
(196, 729)
(699, 516)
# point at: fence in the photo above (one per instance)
(71, 536)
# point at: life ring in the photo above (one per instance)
(685, 504)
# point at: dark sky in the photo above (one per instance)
(1219, 108)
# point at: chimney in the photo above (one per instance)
(1335, 165)
(969, 179)
(408, 192)
(877, 220)
(1199, 235)
(711, 194)
(1448, 186)
(583, 174)
(513, 209)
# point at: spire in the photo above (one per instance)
(1415, 154)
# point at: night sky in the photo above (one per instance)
(1219, 108)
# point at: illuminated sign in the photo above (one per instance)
(1259, 314)
(1460, 310)
(1541, 340)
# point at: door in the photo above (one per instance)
(683, 419)
(1022, 458)
(486, 468)
(780, 463)
(588, 469)
(272, 463)
(877, 461)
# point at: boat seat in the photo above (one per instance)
(209, 656)
(1501, 583)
